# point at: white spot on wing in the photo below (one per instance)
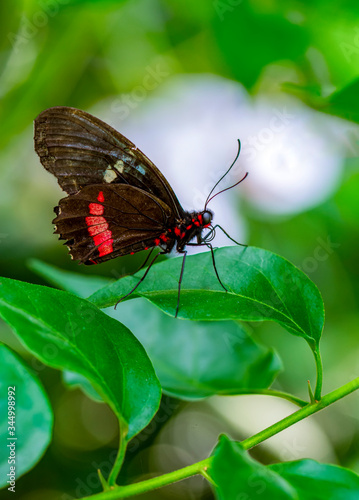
(119, 166)
(110, 174)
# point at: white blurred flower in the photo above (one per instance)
(189, 125)
(293, 158)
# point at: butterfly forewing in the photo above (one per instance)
(81, 150)
(105, 221)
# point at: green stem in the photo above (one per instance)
(103, 481)
(319, 366)
(153, 484)
(119, 458)
(300, 414)
(201, 467)
(270, 392)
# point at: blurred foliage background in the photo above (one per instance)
(184, 80)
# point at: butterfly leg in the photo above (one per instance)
(140, 267)
(221, 228)
(204, 243)
(180, 280)
(140, 281)
(215, 267)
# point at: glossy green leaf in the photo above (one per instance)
(75, 380)
(79, 284)
(261, 286)
(313, 480)
(65, 331)
(192, 359)
(199, 359)
(33, 416)
(236, 475)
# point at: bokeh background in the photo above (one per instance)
(184, 80)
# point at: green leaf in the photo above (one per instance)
(192, 359)
(244, 34)
(33, 416)
(342, 102)
(235, 473)
(75, 380)
(79, 284)
(313, 480)
(65, 331)
(199, 359)
(261, 286)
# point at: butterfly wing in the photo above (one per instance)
(81, 150)
(105, 221)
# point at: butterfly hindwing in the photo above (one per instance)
(101, 222)
(81, 150)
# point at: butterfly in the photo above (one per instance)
(118, 202)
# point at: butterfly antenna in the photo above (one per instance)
(223, 176)
(223, 190)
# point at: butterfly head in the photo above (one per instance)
(207, 217)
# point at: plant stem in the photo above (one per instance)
(300, 414)
(119, 458)
(319, 366)
(152, 484)
(201, 467)
(270, 392)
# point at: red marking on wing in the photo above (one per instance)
(96, 209)
(132, 253)
(98, 227)
(157, 241)
(101, 196)
(146, 248)
(207, 225)
(105, 248)
(177, 231)
(197, 223)
(92, 221)
(189, 227)
(102, 237)
(163, 237)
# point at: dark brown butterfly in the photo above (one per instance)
(119, 203)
